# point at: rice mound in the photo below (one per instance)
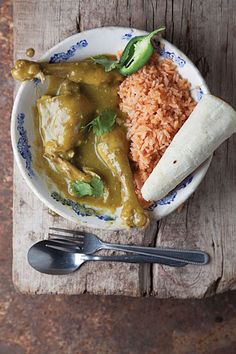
(157, 101)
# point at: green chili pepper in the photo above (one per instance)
(136, 53)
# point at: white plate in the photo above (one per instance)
(107, 40)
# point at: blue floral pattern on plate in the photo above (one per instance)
(80, 209)
(200, 93)
(36, 81)
(63, 56)
(172, 56)
(127, 36)
(23, 146)
(172, 195)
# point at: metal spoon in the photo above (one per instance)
(47, 258)
(89, 244)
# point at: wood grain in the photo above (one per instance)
(205, 31)
(208, 220)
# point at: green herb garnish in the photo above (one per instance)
(97, 186)
(103, 123)
(108, 64)
(81, 188)
(93, 188)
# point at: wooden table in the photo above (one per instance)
(204, 31)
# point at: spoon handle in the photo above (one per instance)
(189, 256)
(136, 259)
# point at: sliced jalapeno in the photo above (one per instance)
(136, 53)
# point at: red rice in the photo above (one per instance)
(157, 101)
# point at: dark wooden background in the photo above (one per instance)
(98, 324)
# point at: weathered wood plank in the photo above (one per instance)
(31, 222)
(39, 25)
(204, 31)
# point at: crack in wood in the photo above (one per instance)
(78, 22)
(186, 216)
(153, 244)
(212, 289)
(172, 21)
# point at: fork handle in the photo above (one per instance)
(135, 259)
(188, 256)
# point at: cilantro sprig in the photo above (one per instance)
(103, 123)
(94, 188)
(108, 64)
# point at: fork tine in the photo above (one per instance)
(65, 237)
(60, 248)
(73, 232)
(64, 245)
(66, 242)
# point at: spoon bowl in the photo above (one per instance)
(51, 260)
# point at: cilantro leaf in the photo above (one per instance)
(103, 123)
(81, 188)
(98, 186)
(93, 188)
(108, 64)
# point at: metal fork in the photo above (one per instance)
(89, 243)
